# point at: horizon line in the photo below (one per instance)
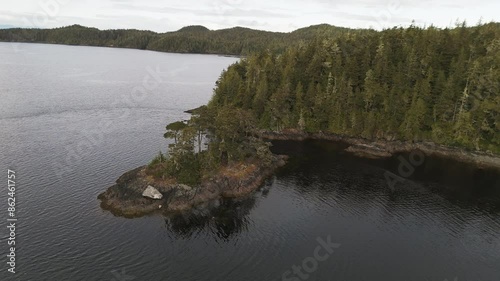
(414, 23)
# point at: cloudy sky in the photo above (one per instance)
(274, 15)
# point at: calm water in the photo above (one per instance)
(73, 119)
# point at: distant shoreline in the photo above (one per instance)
(236, 41)
(127, 48)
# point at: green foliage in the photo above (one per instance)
(183, 164)
(431, 84)
(174, 130)
(160, 158)
(230, 133)
(187, 169)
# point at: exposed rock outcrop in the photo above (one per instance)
(152, 193)
(125, 197)
(368, 151)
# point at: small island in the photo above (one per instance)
(215, 154)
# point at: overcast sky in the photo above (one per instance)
(274, 15)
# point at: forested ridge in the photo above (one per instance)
(190, 39)
(409, 84)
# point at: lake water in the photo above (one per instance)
(73, 119)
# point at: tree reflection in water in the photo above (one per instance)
(225, 218)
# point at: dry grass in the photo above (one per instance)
(238, 170)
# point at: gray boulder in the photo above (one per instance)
(152, 193)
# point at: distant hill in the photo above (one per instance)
(194, 28)
(189, 39)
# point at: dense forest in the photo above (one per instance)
(408, 84)
(190, 39)
(413, 84)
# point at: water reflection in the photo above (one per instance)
(317, 165)
(426, 227)
(224, 218)
(322, 172)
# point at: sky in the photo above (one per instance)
(272, 15)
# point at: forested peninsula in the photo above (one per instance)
(382, 92)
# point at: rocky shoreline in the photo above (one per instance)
(125, 198)
(386, 148)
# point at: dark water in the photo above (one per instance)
(72, 121)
